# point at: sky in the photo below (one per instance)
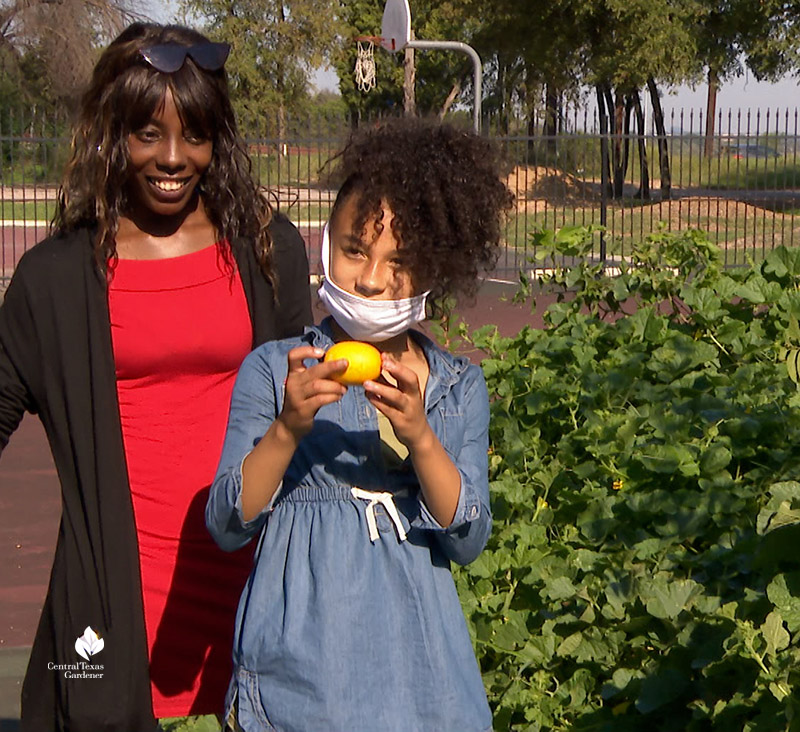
(743, 93)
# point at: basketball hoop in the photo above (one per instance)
(365, 64)
(395, 36)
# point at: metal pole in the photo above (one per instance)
(476, 63)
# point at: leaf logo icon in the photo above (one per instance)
(89, 643)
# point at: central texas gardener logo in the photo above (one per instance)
(89, 644)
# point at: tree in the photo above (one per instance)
(764, 34)
(536, 50)
(771, 38)
(275, 48)
(719, 38)
(633, 44)
(441, 77)
(60, 38)
(363, 18)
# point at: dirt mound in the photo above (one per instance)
(532, 183)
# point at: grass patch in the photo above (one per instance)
(27, 210)
(302, 213)
(296, 167)
(579, 156)
(740, 232)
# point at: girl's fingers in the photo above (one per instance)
(298, 355)
(385, 393)
(316, 380)
(327, 369)
(306, 377)
(322, 386)
(405, 377)
(320, 400)
(381, 406)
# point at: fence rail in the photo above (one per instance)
(745, 194)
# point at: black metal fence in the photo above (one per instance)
(741, 185)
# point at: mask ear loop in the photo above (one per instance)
(326, 250)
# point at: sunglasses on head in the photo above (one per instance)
(169, 57)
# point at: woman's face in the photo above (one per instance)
(370, 266)
(167, 162)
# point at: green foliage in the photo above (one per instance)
(634, 40)
(363, 18)
(207, 723)
(645, 477)
(275, 47)
(437, 72)
(48, 49)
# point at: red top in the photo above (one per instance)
(180, 329)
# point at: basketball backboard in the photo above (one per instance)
(396, 25)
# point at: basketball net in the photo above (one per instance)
(365, 66)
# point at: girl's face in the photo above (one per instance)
(370, 266)
(167, 162)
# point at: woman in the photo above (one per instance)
(124, 331)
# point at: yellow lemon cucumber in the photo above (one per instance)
(363, 361)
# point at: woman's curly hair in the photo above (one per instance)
(122, 95)
(445, 187)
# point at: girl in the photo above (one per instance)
(124, 332)
(361, 496)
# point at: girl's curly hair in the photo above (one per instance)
(446, 190)
(122, 95)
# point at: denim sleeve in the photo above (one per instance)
(465, 538)
(253, 409)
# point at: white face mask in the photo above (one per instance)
(364, 319)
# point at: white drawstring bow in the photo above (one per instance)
(387, 501)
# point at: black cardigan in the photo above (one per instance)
(56, 360)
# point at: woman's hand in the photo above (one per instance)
(307, 389)
(403, 405)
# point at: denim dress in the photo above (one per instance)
(350, 621)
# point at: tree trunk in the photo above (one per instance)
(644, 170)
(531, 133)
(618, 125)
(502, 111)
(409, 83)
(282, 147)
(550, 130)
(661, 136)
(531, 97)
(711, 111)
(604, 169)
(605, 163)
(625, 103)
(451, 97)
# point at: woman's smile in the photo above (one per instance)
(169, 190)
(169, 185)
(167, 162)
